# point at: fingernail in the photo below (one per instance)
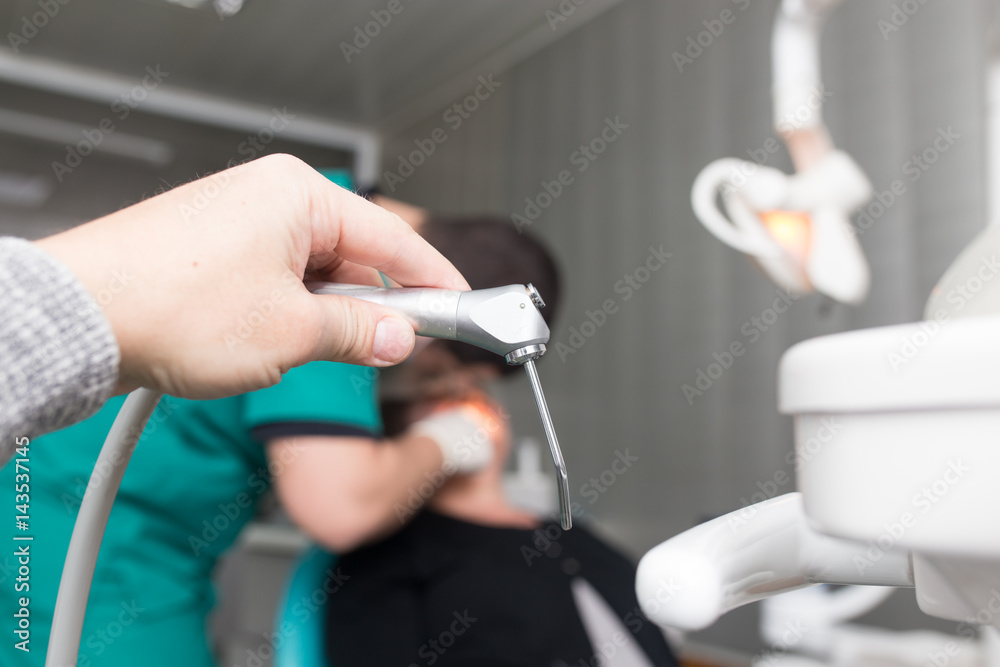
(393, 340)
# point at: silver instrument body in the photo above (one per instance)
(504, 320)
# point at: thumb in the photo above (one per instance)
(358, 332)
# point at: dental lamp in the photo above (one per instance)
(503, 320)
(795, 227)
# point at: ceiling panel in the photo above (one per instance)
(288, 53)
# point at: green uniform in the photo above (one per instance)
(192, 485)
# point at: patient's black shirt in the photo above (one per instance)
(449, 593)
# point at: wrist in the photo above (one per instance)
(74, 250)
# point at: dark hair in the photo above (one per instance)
(490, 252)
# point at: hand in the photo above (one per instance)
(472, 434)
(203, 285)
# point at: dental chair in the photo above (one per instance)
(302, 630)
(898, 469)
(811, 628)
(897, 451)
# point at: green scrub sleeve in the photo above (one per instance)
(320, 398)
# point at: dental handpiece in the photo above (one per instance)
(503, 320)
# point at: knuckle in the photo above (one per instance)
(282, 162)
(355, 335)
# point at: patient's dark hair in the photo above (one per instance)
(490, 252)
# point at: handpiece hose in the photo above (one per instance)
(84, 545)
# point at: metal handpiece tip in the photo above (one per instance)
(565, 515)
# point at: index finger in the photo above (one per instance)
(360, 232)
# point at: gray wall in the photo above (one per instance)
(622, 389)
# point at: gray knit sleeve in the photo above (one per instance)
(58, 355)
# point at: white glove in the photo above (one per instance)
(465, 436)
